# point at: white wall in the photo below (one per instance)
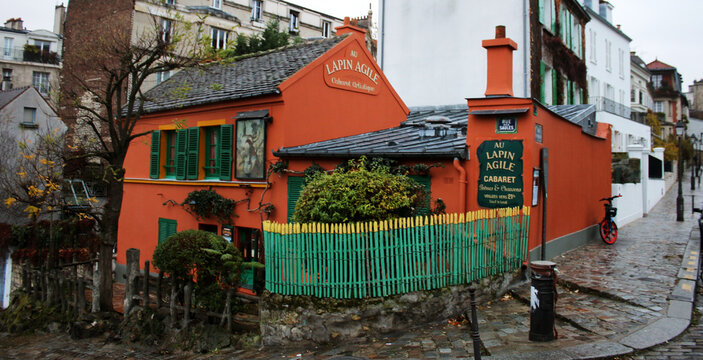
(630, 204)
(431, 51)
(625, 131)
(6, 272)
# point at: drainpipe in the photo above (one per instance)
(526, 46)
(462, 184)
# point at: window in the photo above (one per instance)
(594, 57)
(426, 183)
(166, 26)
(295, 185)
(182, 152)
(217, 4)
(621, 63)
(608, 56)
(170, 164)
(659, 106)
(7, 48)
(40, 81)
(326, 25)
(167, 227)
(657, 81)
(44, 46)
(170, 2)
(162, 76)
(219, 39)
(633, 95)
(293, 21)
(30, 115)
(256, 10)
(6, 79)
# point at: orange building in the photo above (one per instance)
(321, 102)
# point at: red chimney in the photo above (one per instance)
(349, 28)
(500, 64)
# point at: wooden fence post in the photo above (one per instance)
(132, 274)
(187, 293)
(159, 281)
(95, 306)
(145, 297)
(172, 302)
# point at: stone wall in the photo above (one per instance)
(287, 319)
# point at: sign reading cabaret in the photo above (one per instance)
(352, 70)
(500, 173)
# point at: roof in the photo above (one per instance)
(583, 115)
(659, 65)
(248, 76)
(9, 29)
(637, 60)
(7, 96)
(427, 132)
(605, 21)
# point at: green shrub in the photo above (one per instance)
(358, 193)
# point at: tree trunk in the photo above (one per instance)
(108, 236)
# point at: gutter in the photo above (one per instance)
(462, 184)
(526, 45)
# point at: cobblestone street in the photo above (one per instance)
(614, 301)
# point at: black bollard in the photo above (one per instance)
(542, 301)
(475, 337)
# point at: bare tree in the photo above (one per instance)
(106, 76)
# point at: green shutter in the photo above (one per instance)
(541, 11)
(553, 13)
(426, 182)
(555, 78)
(167, 227)
(295, 185)
(542, 84)
(224, 150)
(193, 150)
(155, 157)
(570, 27)
(181, 153)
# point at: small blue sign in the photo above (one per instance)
(506, 125)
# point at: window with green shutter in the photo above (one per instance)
(426, 182)
(170, 164)
(295, 185)
(212, 137)
(541, 11)
(181, 153)
(192, 153)
(155, 157)
(553, 13)
(542, 84)
(167, 227)
(555, 78)
(225, 152)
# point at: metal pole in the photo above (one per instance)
(679, 197)
(476, 339)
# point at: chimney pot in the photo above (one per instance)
(500, 32)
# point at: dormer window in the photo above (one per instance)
(293, 21)
(326, 25)
(217, 4)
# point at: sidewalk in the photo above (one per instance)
(613, 300)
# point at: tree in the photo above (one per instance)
(271, 38)
(358, 193)
(103, 76)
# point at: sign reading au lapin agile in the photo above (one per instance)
(500, 173)
(352, 70)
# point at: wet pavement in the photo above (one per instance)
(614, 300)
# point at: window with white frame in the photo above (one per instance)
(293, 20)
(256, 8)
(162, 76)
(326, 26)
(217, 4)
(594, 88)
(40, 81)
(170, 2)
(7, 48)
(44, 46)
(593, 56)
(659, 106)
(608, 56)
(657, 81)
(621, 63)
(219, 38)
(166, 26)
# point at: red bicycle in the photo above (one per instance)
(608, 228)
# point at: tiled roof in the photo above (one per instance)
(428, 132)
(9, 95)
(583, 115)
(659, 65)
(250, 76)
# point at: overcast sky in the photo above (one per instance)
(667, 30)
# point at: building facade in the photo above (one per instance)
(31, 57)
(549, 63)
(640, 98)
(666, 95)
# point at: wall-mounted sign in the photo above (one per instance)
(538, 133)
(249, 160)
(535, 186)
(506, 125)
(352, 70)
(500, 173)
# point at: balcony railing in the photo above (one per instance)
(611, 106)
(30, 54)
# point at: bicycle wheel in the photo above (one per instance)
(608, 231)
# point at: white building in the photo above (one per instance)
(430, 50)
(640, 98)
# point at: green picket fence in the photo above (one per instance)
(398, 256)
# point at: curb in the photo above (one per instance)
(674, 322)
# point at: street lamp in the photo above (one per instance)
(691, 163)
(679, 171)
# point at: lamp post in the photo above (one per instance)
(679, 171)
(692, 163)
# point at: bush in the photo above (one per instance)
(358, 193)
